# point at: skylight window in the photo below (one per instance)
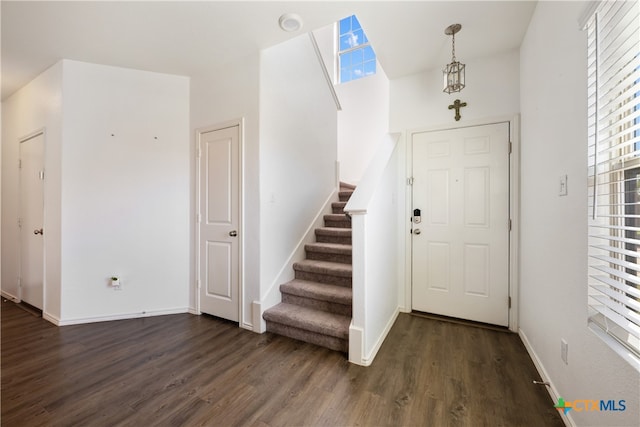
(356, 57)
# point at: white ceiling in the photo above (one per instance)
(191, 38)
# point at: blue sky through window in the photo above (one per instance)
(356, 57)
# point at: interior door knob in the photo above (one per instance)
(233, 233)
(38, 231)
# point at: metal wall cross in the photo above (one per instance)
(457, 105)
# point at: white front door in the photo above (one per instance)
(219, 213)
(31, 220)
(460, 259)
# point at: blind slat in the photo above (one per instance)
(620, 286)
(619, 296)
(618, 262)
(614, 239)
(619, 320)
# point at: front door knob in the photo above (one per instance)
(417, 231)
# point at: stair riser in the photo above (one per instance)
(344, 197)
(323, 278)
(329, 306)
(333, 239)
(323, 256)
(341, 223)
(330, 342)
(338, 208)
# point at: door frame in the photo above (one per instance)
(22, 140)
(514, 207)
(199, 131)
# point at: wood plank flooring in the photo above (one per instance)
(185, 370)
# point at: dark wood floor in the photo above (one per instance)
(185, 370)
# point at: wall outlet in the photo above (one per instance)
(564, 351)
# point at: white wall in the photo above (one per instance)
(374, 210)
(492, 90)
(362, 123)
(553, 294)
(298, 150)
(228, 94)
(114, 205)
(125, 192)
(36, 106)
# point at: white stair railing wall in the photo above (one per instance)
(374, 214)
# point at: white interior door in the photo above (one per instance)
(31, 220)
(460, 259)
(219, 212)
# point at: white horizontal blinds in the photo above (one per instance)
(613, 49)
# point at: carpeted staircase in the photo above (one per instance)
(316, 304)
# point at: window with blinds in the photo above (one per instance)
(614, 175)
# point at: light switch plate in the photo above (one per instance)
(563, 190)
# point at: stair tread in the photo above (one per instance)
(324, 267)
(347, 186)
(333, 248)
(309, 319)
(333, 231)
(339, 216)
(318, 291)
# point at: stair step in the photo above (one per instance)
(333, 235)
(343, 195)
(333, 252)
(332, 273)
(309, 325)
(320, 296)
(338, 207)
(347, 186)
(337, 220)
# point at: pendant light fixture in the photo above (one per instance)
(453, 73)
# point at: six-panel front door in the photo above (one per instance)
(31, 220)
(219, 157)
(460, 261)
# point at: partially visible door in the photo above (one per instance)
(219, 212)
(460, 264)
(31, 220)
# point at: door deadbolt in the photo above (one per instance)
(233, 233)
(38, 231)
(417, 216)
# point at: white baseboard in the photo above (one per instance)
(374, 351)
(260, 326)
(551, 389)
(246, 325)
(81, 320)
(51, 318)
(10, 297)
(356, 342)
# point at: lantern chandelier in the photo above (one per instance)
(453, 73)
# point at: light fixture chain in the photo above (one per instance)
(453, 47)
